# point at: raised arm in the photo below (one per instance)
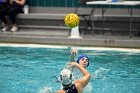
(84, 81)
(73, 54)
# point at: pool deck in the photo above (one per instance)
(44, 37)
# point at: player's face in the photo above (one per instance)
(83, 62)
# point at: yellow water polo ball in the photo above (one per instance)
(71, 20)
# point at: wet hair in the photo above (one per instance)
(83, 56)
(66, 77)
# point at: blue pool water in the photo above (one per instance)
(33, 70)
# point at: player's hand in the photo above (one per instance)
(73, 51)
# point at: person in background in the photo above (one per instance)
(3, 5)
(11, 9)
(67, 79)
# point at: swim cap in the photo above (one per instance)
(66, 77)
(83, 56)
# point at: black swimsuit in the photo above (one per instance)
(71, 89)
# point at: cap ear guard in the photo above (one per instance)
(70, 77)
(88, 64)
(61, 77)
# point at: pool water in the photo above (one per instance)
(34, 70)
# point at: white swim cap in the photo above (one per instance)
(66, 77)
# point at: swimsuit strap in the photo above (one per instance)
(70, 89)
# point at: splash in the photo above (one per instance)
(45, 90)
(100, 73)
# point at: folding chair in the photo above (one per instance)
(86, 16)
